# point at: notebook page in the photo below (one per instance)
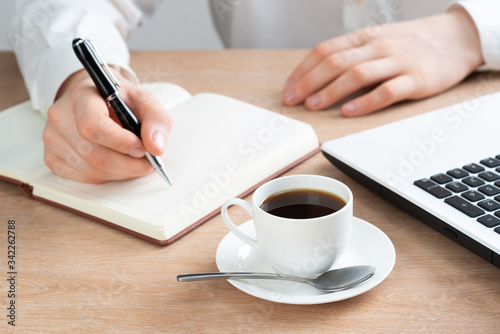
(21, 149)
(219, 148)
(168, 93)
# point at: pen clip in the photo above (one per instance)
(99, 57)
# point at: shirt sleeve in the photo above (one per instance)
(485, 13)
(42, 32)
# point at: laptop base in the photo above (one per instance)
(417, 212)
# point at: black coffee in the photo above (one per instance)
(302, 204)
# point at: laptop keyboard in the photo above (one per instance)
(473, 189)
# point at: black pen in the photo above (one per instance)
(107, 85)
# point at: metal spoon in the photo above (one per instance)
(332, 280)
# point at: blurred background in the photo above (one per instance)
(185, 24)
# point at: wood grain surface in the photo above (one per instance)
(77, 276)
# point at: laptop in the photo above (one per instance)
(442, 167)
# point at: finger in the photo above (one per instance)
(95, 125)
(355, 78)
(324, 49)
(61, 168)
(57, 149)
(66, 171)
(156, 123)
(60, 157)
(392, 91)
(89, 159)
(326, 71)
(95, 168)
(103, 159)
(61, 132)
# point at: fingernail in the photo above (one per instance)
(137, 153)
(289, 96)
(313, 102)
(159, 139)
(289, 84)
(349, 108)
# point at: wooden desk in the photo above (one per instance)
(76, 275)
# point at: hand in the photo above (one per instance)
(406, 60)
(84, 140)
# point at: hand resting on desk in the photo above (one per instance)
(84, 141)
(406, 60)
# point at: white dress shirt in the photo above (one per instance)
(42, 31)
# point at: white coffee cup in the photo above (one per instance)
(305, 247)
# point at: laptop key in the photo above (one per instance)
(464, 206)
(473, 195)
(497, 230)
(439, 192)
(490, 162)
(489, 176)
(489, 205)
(457, 187)
(432, 188)
(473, 181)
(489, 190)
(441, 178)
(489, 220)
(457, 173)
(424, 184)
(474, 168)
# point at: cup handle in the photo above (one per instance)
(229, 223)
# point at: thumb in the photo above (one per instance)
(156, 123)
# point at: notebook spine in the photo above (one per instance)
(26, 189)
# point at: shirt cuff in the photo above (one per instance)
(59, 62)
(484, 13)
(54, 75)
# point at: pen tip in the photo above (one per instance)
(158, 166)
(165, 176)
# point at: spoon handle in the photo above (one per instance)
(241, 275)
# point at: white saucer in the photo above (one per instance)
(368, 246)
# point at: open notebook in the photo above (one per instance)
(219, 148)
